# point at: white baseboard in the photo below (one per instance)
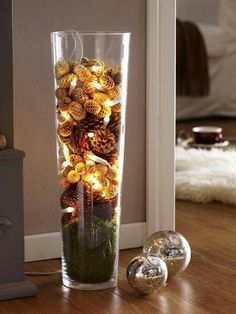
(48, 245)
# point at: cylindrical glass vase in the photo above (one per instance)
(90, 71)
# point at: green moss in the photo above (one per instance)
(90, 258)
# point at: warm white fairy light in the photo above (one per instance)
(91, 134)
(69, 209)
(65, 115)
(72, 85)
(110, 103)
(66, 152)
(95, 68)
(65, 163)
(98, 86)
(106, 120)
(98, 160)
(97, 186)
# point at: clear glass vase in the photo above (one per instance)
(90, 71)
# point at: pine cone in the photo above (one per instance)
(65, 129)
(71, 197)
(105, 111)
(61, 93)
(82, 72)
(91, 123)
(106, 81)
(79, 95)
(103, 141)
(79, 141)
(91, 106)
(64, 82)
(61, 68)
(114, 124)
(77, 111)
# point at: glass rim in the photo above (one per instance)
(116, 33)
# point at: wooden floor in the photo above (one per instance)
(208, 285)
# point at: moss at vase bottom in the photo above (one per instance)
(90, 257)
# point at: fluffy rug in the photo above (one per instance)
(206, 175)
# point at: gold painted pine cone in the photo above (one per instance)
(63, 139)
(61, 68)
(105, 111)
(61, 93)
(79, 95)
(74, 159)
(65, 129)
(89, 84)
(64, 104)
(72, 64)
(113, 93)
(64, 82)
(103, 141)
(76, 110)
(107, 82)
(82, 72)
(92, 106)
(100, 97)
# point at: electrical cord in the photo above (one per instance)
(38, 273)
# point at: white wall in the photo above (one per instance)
(205, 11)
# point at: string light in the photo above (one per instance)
(65, 115)
(69, 209)
(91, 134)
(110, 103)
(98, 160)
(66, 152)
(95, 68)
(65, 163)
(72, 85)
(106, 120)
(98, 86)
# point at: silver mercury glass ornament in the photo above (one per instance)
(147, 273)
(172, 248)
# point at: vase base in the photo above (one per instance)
(69, 283)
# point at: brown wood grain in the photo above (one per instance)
(207, 286)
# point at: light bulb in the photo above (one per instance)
(108, 103)
(69, 209)
(91, 134)
(65, 115)
(66, 152)
(98, 86)
(72, 85)
(65, 163)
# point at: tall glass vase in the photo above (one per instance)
(90, 71)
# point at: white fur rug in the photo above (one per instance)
(206, 175)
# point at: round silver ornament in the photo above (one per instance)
(172, 248)
(147, 273)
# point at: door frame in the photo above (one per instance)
(160, 115)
